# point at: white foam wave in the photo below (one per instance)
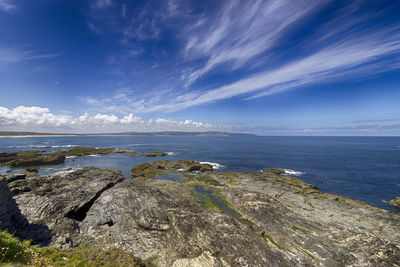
(293, 172)
(43, 146)
(70, 157)
(93, 156)
(65, 171)
(171, 153)
(215, 165)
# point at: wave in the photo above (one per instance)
(65, 171)
(293, 172)
(93, 156)
(43, 146)
(70, 157)
(172, 153)
(215, 165)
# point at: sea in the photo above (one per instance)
(362, 168)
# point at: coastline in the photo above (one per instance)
(259, 217)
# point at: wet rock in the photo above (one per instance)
(156, 154)
(275, 170)
(395, 202)
(36, 158)
(159, 167)
(134, 153)
(32, 170)
(85, 151)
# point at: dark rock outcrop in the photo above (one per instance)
(396, 202)
(156, 154)
(36, 158)
(160, 167)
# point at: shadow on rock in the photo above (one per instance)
(15, 223)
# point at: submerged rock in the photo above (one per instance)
(134, 153)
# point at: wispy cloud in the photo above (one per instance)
(94, 28)
(256, 44)
(9, 54)
(7, 5)
(37, 118)
(101, 3)
(241, 31)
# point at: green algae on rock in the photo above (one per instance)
(396, 202)
(156, 154)
(254, 218)
(36, 158)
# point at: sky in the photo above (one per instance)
(269, 67)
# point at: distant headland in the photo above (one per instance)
(164, 133)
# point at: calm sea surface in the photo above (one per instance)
(363, 168)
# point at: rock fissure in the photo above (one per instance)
(79, 214)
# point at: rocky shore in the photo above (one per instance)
(181, 213)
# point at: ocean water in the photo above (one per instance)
(363, 168)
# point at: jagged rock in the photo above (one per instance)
(12, 178)
(156, 154)
(211, 219)
(57, 202)
(395, 202)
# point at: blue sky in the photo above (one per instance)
(277, 67)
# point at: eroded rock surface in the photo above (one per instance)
(211, 219)
(57, 203)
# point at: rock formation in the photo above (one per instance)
(258, 218)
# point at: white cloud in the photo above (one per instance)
(11, 54)
(242, 31)
(102, 3)
(41, 119)
(368, 53)
(94, 28)
(7, 5)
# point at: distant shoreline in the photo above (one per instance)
(32, 134)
